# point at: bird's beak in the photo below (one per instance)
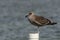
(26, 16)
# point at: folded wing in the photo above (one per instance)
(41, 20)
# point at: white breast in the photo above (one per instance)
(31, 17)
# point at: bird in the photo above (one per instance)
(38, 21)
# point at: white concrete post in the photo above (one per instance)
(34, 36)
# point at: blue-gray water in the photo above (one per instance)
(14, 26)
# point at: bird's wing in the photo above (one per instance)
(41, 20)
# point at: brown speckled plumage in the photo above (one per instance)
(39, 20)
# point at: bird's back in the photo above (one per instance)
(39, 20)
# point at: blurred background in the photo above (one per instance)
(14, 25)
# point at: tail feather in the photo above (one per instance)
(53, 23)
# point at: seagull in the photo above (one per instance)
(38, 21)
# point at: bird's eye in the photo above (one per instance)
(30, 13)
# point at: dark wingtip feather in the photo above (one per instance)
(53, 23)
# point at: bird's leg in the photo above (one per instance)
(38, 30)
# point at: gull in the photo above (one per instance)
(38, 21)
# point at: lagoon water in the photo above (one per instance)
(14, 25)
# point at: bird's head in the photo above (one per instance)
(29, 14)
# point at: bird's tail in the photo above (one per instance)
(53, 23)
